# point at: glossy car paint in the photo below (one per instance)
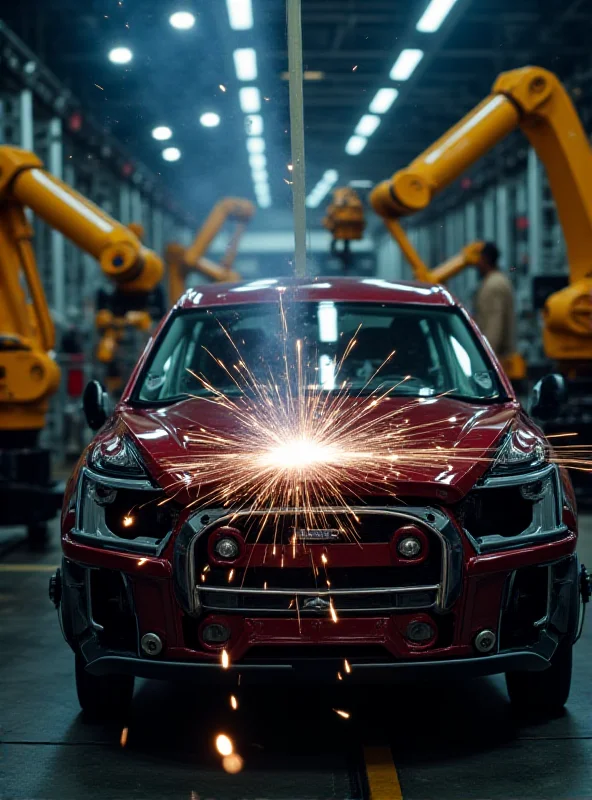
(158, 435)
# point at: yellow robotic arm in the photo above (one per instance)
(181, 260)
(28, 373)
(534, 100)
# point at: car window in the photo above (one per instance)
(354, 347)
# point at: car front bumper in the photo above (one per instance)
(319, 670)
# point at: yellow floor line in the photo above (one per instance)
(383, 781)
(28, 567)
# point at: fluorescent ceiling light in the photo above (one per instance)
(254, 125)
(355, 145)
(245, 64)
(255, 144)
(264, 202)
(120, 55)
(250, 99)
(329, 179)
(405, 64)
(383, 100)
(257, 161)
(240, 14)
(434, 15)
(171, 154)
(182, 20)
(161, 133)
(361, 184)
(367, 125)
(210, 119)
(259, 175)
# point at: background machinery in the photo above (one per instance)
(345, 220)
(180, 261)
(534, 100)
(29, 375)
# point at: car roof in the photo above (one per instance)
(362, 290)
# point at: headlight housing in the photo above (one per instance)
(520, 451)
(518, 502)
(117, 504)
(117, 456)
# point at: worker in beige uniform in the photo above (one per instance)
(494, 303)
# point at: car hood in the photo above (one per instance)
(466, 436)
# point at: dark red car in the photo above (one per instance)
(460, 559)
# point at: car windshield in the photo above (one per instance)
(357, 348)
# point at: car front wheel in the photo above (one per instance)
(546, 691)
(103, 697)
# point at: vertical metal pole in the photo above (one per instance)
(26, 120)
(136, 207)
(503, 224)
(297, 133)
(56, 167)
(534, 205)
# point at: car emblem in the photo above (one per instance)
(316, 604)
(317, 534)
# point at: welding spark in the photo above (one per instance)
(230, 576)
(324, 558)
(222, 87)
(233, 702)
(123, 737)
(332, 611)
(288, 443)
(232, 763)
(354, 68)
(99, 87)
(346, 665)
(224, 744)
(224, 660)
(343, 714)
(142, 561)
(339, 676)
(127, 521)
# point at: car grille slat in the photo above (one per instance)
(291, 586)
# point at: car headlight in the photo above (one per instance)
(518, 502)
(117, 456)
(118, 506)
(520, 451)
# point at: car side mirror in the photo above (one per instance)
(94, 405)
(548, 396)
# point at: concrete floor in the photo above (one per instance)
(450, 741)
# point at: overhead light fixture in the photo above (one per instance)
(254, 125)
(355, 145)
(255, 144)
(329, 179)
(257, 161)
(405, 64)
(249, 99)
(434, 15)
(161, 133)
(367, 125)
(245, 64)
(240, 14)
(210, 119)
(182, 20)
(259, 175)
(120, 55)
(383, 100)
(171, 154)
(361, 184)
